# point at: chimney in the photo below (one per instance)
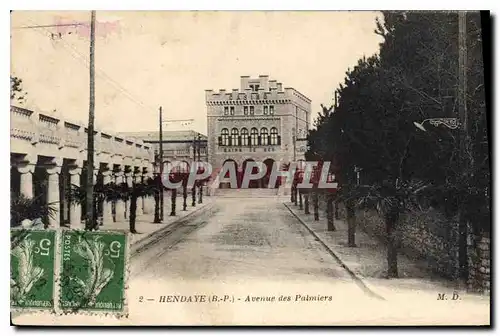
(279, 86)
(272, 84)
(208, 94)
(264, 82)
(244, 82)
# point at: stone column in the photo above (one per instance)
(107, 216)
(128, 180)
(53, 197)
(96, 172)
(26, 187)
(149, 202)
(140, 200)
(144, 199)
(120, 204)
(75, 211)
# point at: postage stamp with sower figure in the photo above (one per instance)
(32, 269)
(93, 272)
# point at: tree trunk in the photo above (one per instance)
(351, 224)
(184, 197)
(133, 211)
(295, 196)
(157, 206)
(316, 204)
(300, 199)
(337, 209)
(292, 193)
(463, 271)
(306, 204)
(392, 258)
(193, 195)
(200, 195)
(173, 198)
(329, 213)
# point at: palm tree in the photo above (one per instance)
(77, 195)
(154, 184)
(22, 207)
(139, 190)
(390, 199)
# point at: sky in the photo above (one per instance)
(147, 59)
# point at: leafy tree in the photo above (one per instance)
(16, 90)
(413, 77)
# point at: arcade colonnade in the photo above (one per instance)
(48, 155)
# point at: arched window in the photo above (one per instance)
(225, 137)
(244, 136)
(274, 136)
(254, 136)
(234, 137)
(180, 167)
(264, 136)
(167, 167)
(184, 167)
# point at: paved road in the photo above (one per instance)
(239, 239)
(255, 253)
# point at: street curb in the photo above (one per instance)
(353, 275)
(141, 242)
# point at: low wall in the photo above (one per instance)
(430, 237)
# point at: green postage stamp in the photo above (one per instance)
(32, 269)
(93, 273)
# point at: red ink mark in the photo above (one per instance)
(82, 28)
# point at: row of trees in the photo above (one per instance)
(23, 208)
(414, 77)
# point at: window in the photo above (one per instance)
(181, 167)
(254, 87)
(231, 110)
(251, 110)
(244, 136)
(266, 110)
(254, 136)
(271, 110)
(274, 136)
(245, 110)
(225, 137)
(264, 136)
(226, 110)
(234, 137)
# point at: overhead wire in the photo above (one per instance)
(101, 73)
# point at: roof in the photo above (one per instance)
(167, 135)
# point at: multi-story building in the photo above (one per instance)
(261, 121)
(178, 146)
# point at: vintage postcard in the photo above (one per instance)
(250, 168)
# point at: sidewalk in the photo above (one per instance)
(367, 262)
(144, 223)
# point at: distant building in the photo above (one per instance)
(260, 121)
(177, 145)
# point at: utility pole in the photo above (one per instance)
(200, 196)
(90, 222)
(464, 139)
(161, 165)
(193, 191)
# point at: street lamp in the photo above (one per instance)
(451, 123)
